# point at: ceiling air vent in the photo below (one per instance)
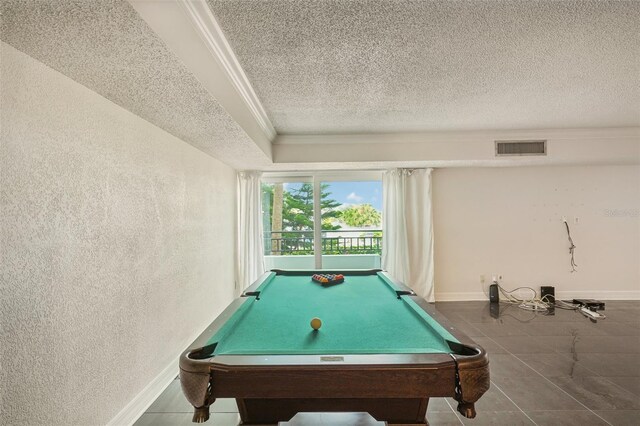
(505, 148)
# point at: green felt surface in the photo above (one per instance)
(360, 316)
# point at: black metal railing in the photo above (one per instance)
(362, 241)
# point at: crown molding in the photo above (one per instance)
(190, 30)
(210, 31)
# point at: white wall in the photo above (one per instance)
(509, 221)
(117, 248)
(590, 146)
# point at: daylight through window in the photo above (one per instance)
(344, 232)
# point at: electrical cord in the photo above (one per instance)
(531, 304)
(572, 248)
(537, 305)
(561, 304)
(504, 312)
(541, 305)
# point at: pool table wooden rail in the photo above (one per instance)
(391, 387)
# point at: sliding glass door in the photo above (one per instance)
(287, 221)
(351, 224)
(322, 222)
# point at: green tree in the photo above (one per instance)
(361, 215)
(297, 211)
(297, 215)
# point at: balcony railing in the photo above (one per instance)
(342, 241)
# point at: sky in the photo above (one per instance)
(357, 193)
(349, 193)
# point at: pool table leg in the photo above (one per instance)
(197, 389)
(467, 409)
(473, 381)
(200, 414)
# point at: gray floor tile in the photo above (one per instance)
(562, 344)
(506, 365)
(443, 419)
(569, 328)
(630, 383)
(596, 344)
(622, 314)
(504, 314)
(610, 344)
(332, 419)
(529, 317)
(596, 364)
(473, 306)
(184, 419)
(555, 365)
(224, 419)
(224, 405)
(612, 328)
(164, 419)
(438, 405)
(524, 344)
(611, 364)
(566, 418)
(620, 417)
(469, 330)
(172, 400)
(511, 418)
(598, 393)
(493, 400)
(463, 325)
(490, 345)
(497, 329)
(536, 393)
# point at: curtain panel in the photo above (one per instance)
(407, 222)
(250, 245)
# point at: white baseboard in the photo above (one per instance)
(139, 404)
(577, 294)
(136, 408)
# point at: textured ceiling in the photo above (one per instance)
(386, 66)
(108, 48)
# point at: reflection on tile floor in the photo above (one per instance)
(559, 369)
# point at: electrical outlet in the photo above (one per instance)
(482, 279)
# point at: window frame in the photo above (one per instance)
(316, 178)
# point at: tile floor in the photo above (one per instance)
(559, 369)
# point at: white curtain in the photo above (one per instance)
(250, 249)
(407, 223)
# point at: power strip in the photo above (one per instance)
(592, 314)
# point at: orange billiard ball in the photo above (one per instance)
(316, 323)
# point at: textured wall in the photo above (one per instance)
(107, 47)
(509, 221)
(117, 246)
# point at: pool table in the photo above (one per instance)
(381, 349)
